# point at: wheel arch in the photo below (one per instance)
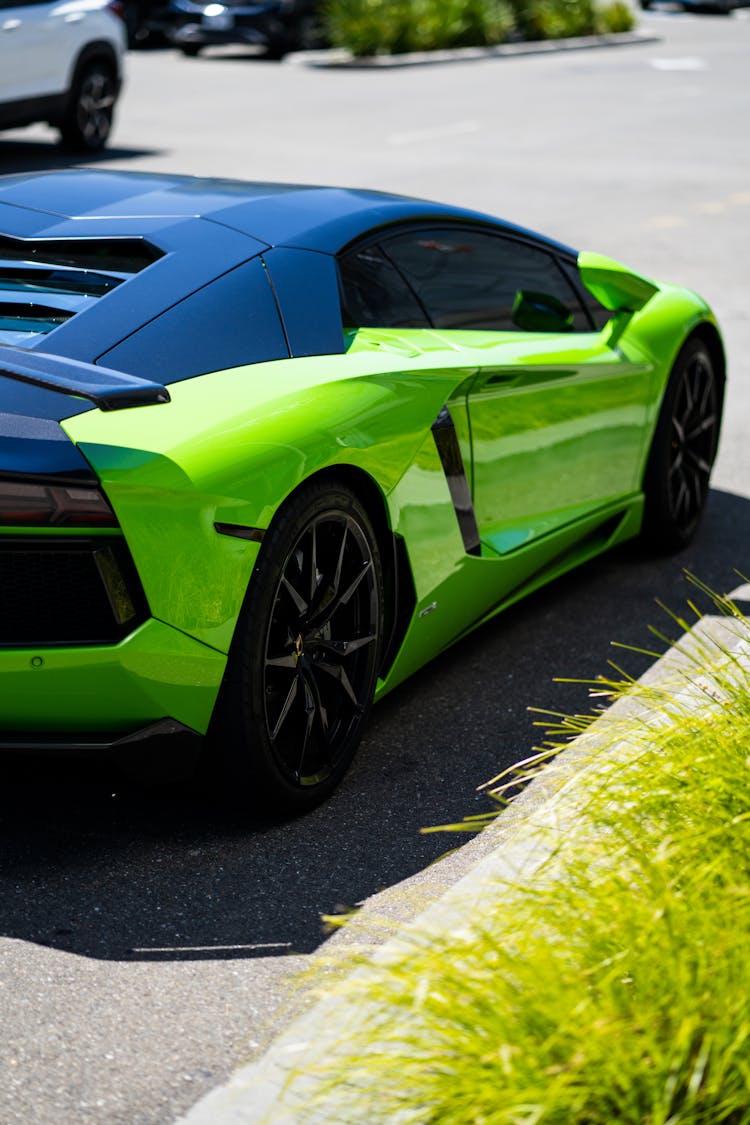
(660, 525)
(98, 51)
(398, 583)
(708, 334)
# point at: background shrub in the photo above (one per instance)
(554, 19)
(371, 27)
(393, 27)
(616, 16)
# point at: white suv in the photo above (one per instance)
(61, 62)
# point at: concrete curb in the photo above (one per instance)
(340, 58)
(512, 850)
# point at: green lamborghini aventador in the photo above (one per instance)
(267, 449)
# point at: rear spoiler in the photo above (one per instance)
(107, 389)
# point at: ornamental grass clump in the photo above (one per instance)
(613, 985)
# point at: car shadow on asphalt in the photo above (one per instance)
(106, 868)
(47, 156)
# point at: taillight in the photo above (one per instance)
(53, 505)
(118, 9)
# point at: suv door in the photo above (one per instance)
(34, 51)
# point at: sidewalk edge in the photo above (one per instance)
(342, 59)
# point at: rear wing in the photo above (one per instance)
(107, 389)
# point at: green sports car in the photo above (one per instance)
(267, 449)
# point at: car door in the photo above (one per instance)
(557, 417)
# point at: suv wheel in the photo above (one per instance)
(88, 118)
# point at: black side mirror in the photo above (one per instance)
(538, 312)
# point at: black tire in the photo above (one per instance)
(91, 105)
(190, 50)
(683, 450)
(304, 660)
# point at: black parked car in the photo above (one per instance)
(278, 26)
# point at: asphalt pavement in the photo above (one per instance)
(149, 943)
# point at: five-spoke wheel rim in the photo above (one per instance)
(321, 647)
(694, 433)
(96, 101)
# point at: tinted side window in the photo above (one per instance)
(468, 279)
(374, 295)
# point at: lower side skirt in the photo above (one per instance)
(71, 743)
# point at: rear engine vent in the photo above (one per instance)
(68, 591)
(21, 321)
(44, 282)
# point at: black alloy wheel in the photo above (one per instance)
(683, 450)
(304, 663)
(88, 119)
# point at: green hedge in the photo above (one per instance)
(392, 27)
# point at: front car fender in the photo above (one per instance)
(658, 333)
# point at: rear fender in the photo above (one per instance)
(231, 447)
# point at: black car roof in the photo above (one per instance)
(197, 274)
(72, 203)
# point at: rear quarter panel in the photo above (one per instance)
(231, 446)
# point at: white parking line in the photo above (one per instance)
(458, 128)
(211, 948)
(689, 63)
